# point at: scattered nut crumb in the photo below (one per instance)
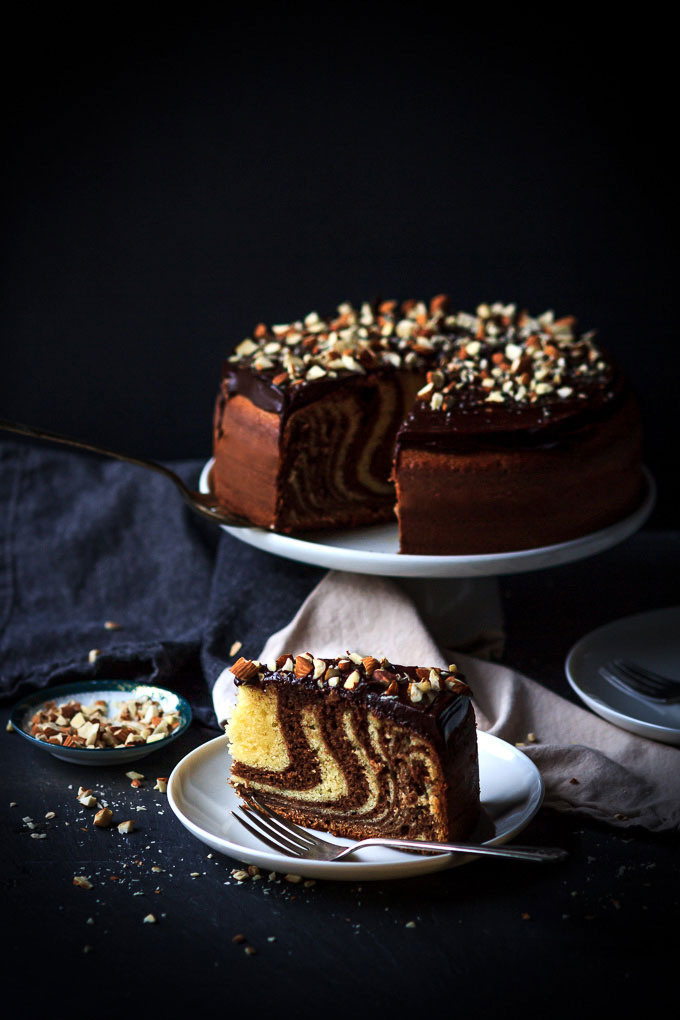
(410, 924)
(82, 882)
(150, 919)
(93, 654)
(9, 727)
(239, 938)
(293, 878)
(103, 818)
(162, 785)
(50, 814)
(112, 625)
(126, 826)
(237, 645)
(250, 950)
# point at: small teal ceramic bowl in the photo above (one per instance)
(112, 692)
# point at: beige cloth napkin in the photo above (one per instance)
(587, 764)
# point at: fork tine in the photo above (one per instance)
(642, 674)
(636, 686)
(290, 828)
(259, 834)
(619, 683)
(631, 683)
(278, 828)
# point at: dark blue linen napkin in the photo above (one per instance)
(87, 543)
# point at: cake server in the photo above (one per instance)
(204, 504)
(294, 841)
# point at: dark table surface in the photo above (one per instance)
(490, 936)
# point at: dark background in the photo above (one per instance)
(170, 184)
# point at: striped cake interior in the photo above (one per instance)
(330, 768)
(337, 455)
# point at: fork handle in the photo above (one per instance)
(522, 853)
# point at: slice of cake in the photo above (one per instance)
(357, 746)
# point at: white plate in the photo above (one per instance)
(651, 639)
(511, 790)
(375, 549)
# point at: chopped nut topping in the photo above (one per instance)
(304, 665)
(350, 672)
(500, 354)
(244, 669)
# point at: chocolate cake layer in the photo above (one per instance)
(357, 747)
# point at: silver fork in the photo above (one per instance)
(204, 504)
(641, 682)
(288, 838)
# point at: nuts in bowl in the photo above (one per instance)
(106, 721)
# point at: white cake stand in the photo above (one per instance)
(444, 588)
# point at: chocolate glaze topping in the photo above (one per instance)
(431, 699)
(500, 374)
